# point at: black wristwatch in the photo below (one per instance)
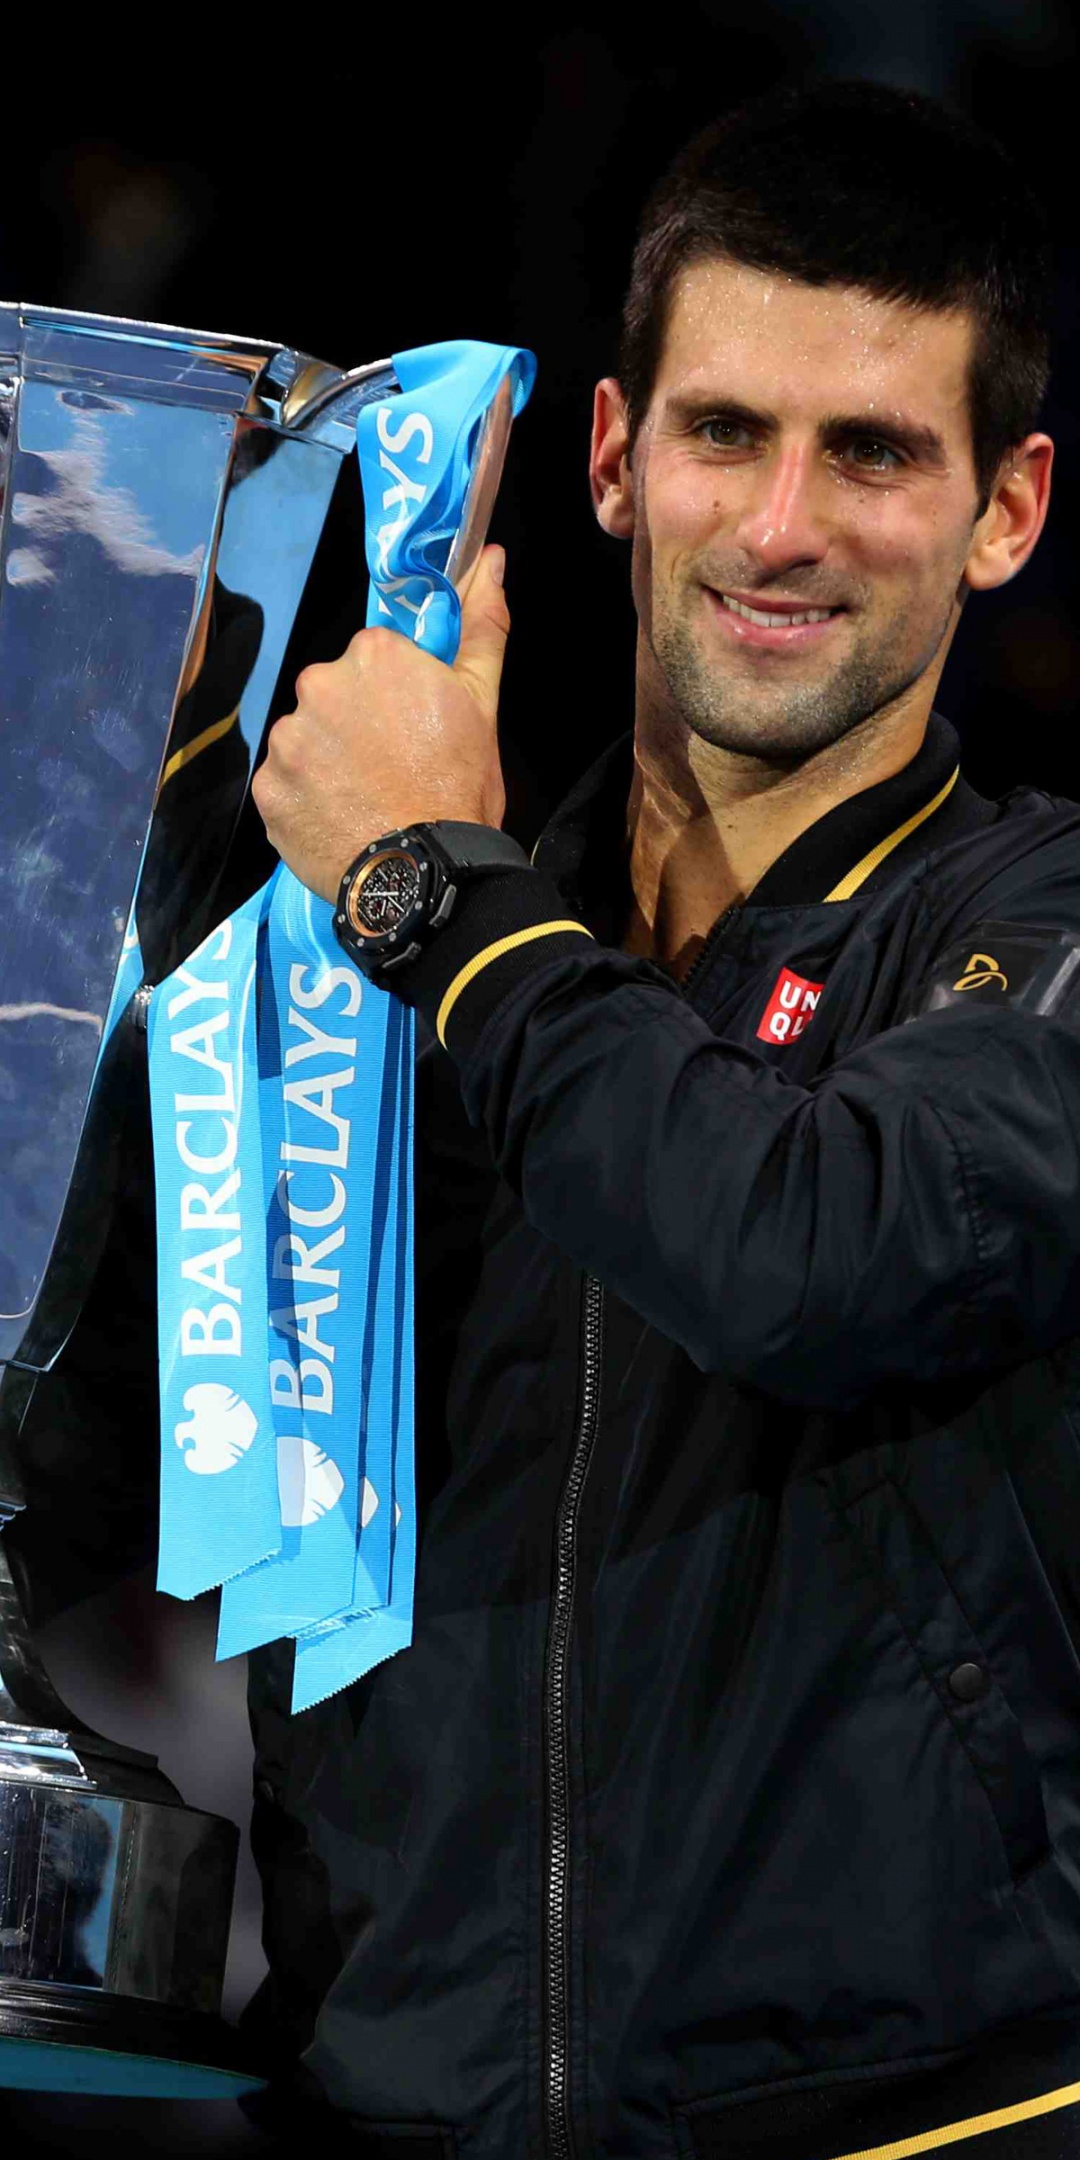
(402, 889)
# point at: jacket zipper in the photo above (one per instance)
(714, 938)
(557, 2099)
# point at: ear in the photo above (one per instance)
(1014, 517)
(609, 468)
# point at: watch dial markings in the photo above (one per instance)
(383, 893)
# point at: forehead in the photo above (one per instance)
(812, 351)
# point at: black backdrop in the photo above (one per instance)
(354, 181)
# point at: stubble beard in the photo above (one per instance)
(785, 722)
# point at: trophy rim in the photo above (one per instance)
(30, 312)
(55, 2016)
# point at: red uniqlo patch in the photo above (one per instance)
(792, 1004)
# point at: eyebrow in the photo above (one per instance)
(919, 441)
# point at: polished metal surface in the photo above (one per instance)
(163, 494)
(122, 1895)
(101, 563)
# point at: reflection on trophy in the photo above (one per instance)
(163, 496)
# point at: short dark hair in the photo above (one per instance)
(856, 183)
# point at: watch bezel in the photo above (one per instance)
(385, 851)
(379, 951)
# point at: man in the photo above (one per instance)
(726, 1801)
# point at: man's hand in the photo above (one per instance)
(388, 736)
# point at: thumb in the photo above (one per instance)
(485, 625)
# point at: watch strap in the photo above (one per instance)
(474, 847)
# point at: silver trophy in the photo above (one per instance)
(163, 494)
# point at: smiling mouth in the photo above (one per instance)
(789, 618)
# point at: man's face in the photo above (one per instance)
(804, 499)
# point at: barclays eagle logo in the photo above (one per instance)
(220, 1429)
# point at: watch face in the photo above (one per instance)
(383, 892)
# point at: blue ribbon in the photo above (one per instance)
(281, 1090)
(215, 1394)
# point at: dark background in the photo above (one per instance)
(351, 182)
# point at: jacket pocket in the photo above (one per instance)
(930, 2100)
(914, 1586)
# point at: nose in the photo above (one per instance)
(783, 525)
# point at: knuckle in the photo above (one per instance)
(378, 640)
(309, 682)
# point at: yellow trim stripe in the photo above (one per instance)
(851, 883)
(484, 959)
(199, 743)
(975, 2125)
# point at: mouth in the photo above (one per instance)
(778, 626)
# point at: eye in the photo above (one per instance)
(872, 455)
(725, 434)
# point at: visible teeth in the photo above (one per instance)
(775, 622)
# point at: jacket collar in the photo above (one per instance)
(854, 848)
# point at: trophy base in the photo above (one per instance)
(78, 2040)
(115, 1902)
(114, 1925)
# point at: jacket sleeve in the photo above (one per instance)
(913, 1215)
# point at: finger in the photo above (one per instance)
(485, 625)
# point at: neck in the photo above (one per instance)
(706, 823)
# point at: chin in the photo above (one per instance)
(782, 738)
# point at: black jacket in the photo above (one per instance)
(728, 1800)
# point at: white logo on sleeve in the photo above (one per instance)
(309, 1481)
(220, 1429)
